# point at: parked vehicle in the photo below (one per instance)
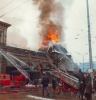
(12, 81)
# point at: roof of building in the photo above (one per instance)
(3, 22)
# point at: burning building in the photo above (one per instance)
(32, 58)
(53, 59)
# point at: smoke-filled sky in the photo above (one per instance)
(50, 20)
(25, 17)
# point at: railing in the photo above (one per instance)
(12, 60)
(73, 81)
(67, 78)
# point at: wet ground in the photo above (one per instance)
(33, 94)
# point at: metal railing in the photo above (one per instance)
(73, 81)
(66, 78)
(12, 60)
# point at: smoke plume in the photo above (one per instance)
(16, 40)
(51, 15)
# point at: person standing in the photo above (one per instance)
(94, 87)
(88, 89)
(54, 84)
(45, 82)
(81, 87)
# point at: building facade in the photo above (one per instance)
(31, 58)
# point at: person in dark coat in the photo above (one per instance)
(94, 86)
(88, 89)
(45, 82)
(81, 87)
(54, 84)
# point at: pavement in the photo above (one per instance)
(35, 93)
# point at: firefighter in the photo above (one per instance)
(45, 82)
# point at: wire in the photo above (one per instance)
(83, 37)
(21, 19)
(77, 29)
(45, 23)
(7, 4)
(14, 8)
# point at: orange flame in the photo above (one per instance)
(53, 36)
(50, 36)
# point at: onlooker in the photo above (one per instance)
(45, 82)
(95, 86)
(81, 87)
(54, 84)
(36, 82)
(88, 89)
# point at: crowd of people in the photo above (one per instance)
(84, 86)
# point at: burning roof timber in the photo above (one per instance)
(53, 48)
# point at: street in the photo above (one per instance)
(34, 94)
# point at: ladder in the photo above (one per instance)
(71, 80)
(64, 77)
(12, 59)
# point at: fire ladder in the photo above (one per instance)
(70, 80)
(12, 59)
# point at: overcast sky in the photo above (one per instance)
(24, 30)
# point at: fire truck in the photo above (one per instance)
(12, 81)
(68, 83)
(7, 80)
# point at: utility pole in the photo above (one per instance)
(89, 41)
(83, 63)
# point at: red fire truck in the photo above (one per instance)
(68, 83)
(12, 81)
